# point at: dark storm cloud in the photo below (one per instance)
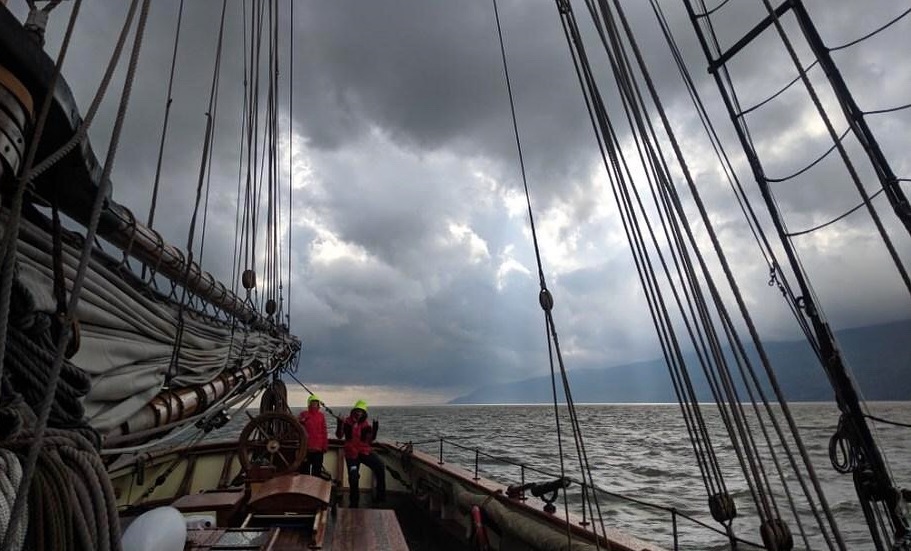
(411, 262)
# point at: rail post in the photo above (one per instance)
(674, 523)
(476, 453)
(522, 474)
(584, 508)
(441, 452)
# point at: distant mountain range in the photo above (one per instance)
(879, 356)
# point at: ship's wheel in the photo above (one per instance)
(273, 440)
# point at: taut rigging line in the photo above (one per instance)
(546, 301)
(876, 492)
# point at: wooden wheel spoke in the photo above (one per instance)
(282, 457)
(264, 430)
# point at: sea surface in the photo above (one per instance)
(643, 452)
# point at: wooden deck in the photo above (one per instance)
(350, 530)
(365, 530)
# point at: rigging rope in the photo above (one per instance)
(290, 154)
(208, 170)
(901, 530)
(789, 418)
(164, 125)
(855, 118)
(888, 109)
(834, 220)
(10, 478)
(63, 340)
(777, 275)
(708, 13)
(728, 328)
(829, 354)
(72, 500)
(871, 33)
(546, 302)
(794, 81)
(237, 263)
(888, 421)
(211, 112)
(553, 386)
(252, 182)
(272, 266)
(670, 347)
(813, 163)
(321, 402)
(718, 382)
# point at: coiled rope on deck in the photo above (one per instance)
(71, 501)
(70, 504)
(10, 476)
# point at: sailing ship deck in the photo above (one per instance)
(427, 505)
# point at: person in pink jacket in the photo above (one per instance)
(314, 422)
(359, 434)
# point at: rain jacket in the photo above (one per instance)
(314, 422)
(358, 435)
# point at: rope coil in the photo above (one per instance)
(10, 477)
(71, 500)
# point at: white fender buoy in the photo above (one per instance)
(161, 529)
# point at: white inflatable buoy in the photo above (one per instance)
(161, 529)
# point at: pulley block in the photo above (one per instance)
(546, 300)
(248, 279)
(776, 536)
(722, 507)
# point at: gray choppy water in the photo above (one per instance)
(643, 451)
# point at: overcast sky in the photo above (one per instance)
(413, 275)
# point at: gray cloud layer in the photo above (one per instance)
(411, 259)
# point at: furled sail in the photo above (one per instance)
(127, 337)
(152, 357)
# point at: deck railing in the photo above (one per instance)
(673, 513)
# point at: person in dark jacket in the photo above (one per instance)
(314, 422)
(359, 435)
